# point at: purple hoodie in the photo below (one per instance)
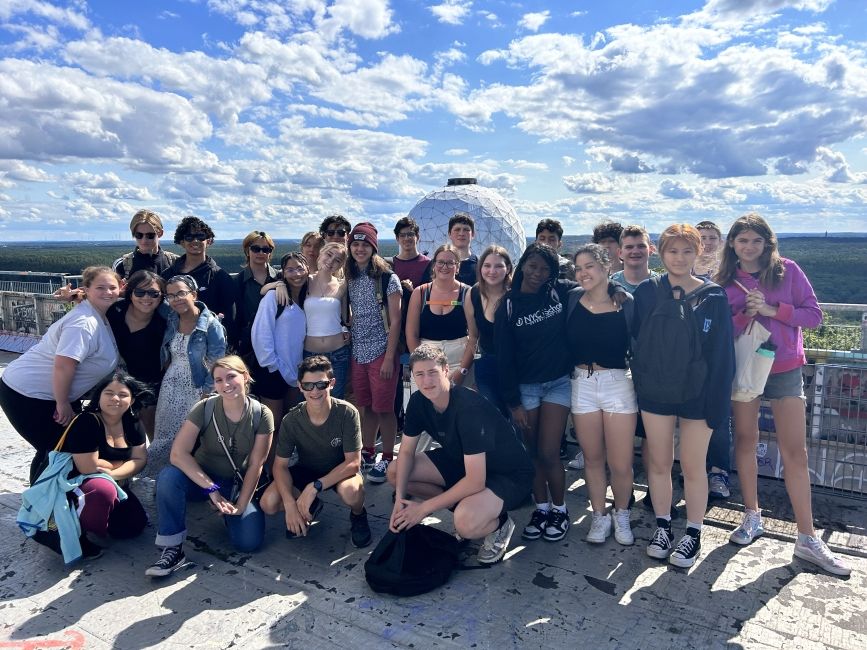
(796, 308)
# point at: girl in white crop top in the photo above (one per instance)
(324, 307)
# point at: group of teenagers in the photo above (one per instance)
(500, 354)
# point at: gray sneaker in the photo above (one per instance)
(747, 532)
(816, 551)
(494, 547)
(718, 485)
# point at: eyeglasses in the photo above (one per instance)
(262, 249)
(445, 264)
(150, 293)
(406, 235)
(294, 270)
(145, 235)
(180, 295)
(310, 385)
(336, 233)
(195, 236)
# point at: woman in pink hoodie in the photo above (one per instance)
(773, 290)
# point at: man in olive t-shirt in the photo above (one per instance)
(326, 433)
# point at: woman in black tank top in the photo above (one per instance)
(494, 279)
(436, 315)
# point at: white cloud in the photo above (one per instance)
(366, 18)
(451, 12)
(533, 21)
(61, 16)
(675, 190)
(456, 152)
(590, 183)
(18, 171)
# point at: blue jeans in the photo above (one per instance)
(340, 362)
(487, 373)
(174, 489)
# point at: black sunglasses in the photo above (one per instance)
(195, 236)
(336, 233)
(310, 385)
(261, 249)
(145, 235)
(150, 293)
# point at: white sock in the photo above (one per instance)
(560, 508)
(544, 507)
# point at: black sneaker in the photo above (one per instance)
(687, 549)
(171, 560)
(660, 546)
(558, 525)
(359, 529)
(538, 522)
(89, 550)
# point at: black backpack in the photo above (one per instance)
(667, 364)
(412, 562)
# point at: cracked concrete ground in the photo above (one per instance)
(310, 593)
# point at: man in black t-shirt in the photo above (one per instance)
(481, 469)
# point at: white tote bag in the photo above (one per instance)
(753, 363)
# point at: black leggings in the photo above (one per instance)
(33, 419)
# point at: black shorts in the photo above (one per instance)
(304, 476)
(269, 385)
(639, 427)
(692, 410)
(513, 489)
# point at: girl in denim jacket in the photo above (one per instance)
(194, 339)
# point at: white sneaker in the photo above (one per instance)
(577, 462)
(622, 528)
(816, 551)
(600, 529)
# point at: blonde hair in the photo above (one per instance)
(150, 218)
(90, 274)
(236, 363)
(253, 236)
(686, 232)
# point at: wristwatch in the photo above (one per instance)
(464, 371)
(317, 485)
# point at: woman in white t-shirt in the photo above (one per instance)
(40, 391)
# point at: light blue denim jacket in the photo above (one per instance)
(207, 344)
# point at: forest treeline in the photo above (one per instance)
(837, 267)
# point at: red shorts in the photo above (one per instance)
(370, 389)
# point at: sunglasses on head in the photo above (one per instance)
(150, 293)
(261, 249)
(310, 385)
(336, 233)
(145, 235)
(195, 236)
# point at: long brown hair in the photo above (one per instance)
(770, 264)
(494, 249)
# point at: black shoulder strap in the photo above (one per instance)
(573, 297)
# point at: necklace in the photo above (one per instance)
(593, 305)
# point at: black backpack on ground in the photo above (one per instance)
(667, 364)
(413, 561)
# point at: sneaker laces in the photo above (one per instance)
(686, 545)
(751, 520)
(621, 518)
(661, 538)
(539, 517)
(381, 465)
(169, 556)
(599, 524)
(821, 549)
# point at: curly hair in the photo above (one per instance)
(606, 230)
(188, 225)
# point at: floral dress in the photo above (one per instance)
(178, 395)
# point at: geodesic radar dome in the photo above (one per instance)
(496, 220)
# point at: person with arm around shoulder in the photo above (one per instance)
(326, 433)
(494, 280)
(480, 469)
(772, 290)
(700, 353)
(217, 459)
(604, 406)
(193, 340)
(40, 391)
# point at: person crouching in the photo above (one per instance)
(481, 469)
(326, 432)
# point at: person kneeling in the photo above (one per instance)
(481, 469)
(326, 432)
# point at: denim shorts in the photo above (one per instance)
(785, 384)
(556, 391)
(605, 389)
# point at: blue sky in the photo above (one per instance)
(255, 114)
